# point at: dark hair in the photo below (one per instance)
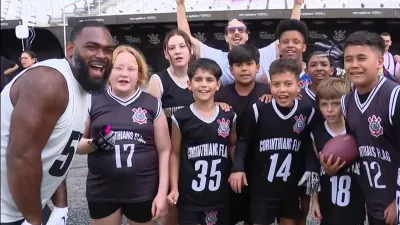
(283, 65)
(386, 34)
(243, 53)
(206, 65)
(82, 25)
(292, 25)
(30, 53)
(373, 40)
(320, 54)
(227, 25)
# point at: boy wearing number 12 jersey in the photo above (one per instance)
(340, 201)
(203, 136)
(372, 114)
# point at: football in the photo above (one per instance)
(343, 146)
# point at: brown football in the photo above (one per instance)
(343, 146)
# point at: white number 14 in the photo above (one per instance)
(283, 171)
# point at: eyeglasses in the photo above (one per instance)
(240, 29)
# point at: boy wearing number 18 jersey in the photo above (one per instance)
(202, 138)
(340, 201)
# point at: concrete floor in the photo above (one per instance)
(76, 181)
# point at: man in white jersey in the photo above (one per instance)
(236, 33)
(43, 112)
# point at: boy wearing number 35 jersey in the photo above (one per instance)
(202, 138)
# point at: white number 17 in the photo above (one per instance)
(126, 147)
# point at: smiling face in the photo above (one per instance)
(203, 85)
(177, 51)
(291, 45)
(284, 87)
(236, 33)
(91, 55)
(319, 68)
(362, 64)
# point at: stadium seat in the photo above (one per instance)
(273, 4)
(260, 4)
(239, 4)
(198, 5)
(320, 4)
(159, 6)
(220, 5)
(4, 8)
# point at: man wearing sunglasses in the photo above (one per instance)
(236, 33)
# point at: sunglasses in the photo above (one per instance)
(232, 30)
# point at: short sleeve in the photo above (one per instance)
(211, 53)
(268, 55)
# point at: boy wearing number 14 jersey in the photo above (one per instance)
(340, 201)
(280, 132)
(203, 136)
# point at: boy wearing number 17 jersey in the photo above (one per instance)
(278, 130)
(202, 138)
(340, 201)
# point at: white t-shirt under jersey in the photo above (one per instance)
(267, 56)
(60, 147)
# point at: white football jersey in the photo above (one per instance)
(60, 149)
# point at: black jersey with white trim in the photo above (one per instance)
(130, 173)
(373, 123)
(240, 105)
(173, 95)
(341, 199)
(308, 96)
(278, 161)
(310, 99)
(204, 159)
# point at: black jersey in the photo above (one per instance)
(372, 123)
(309, 98)
(173, 95)
(204, 162)
(240, 104)
(130, 174)
(341, 200)
(278, 161)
